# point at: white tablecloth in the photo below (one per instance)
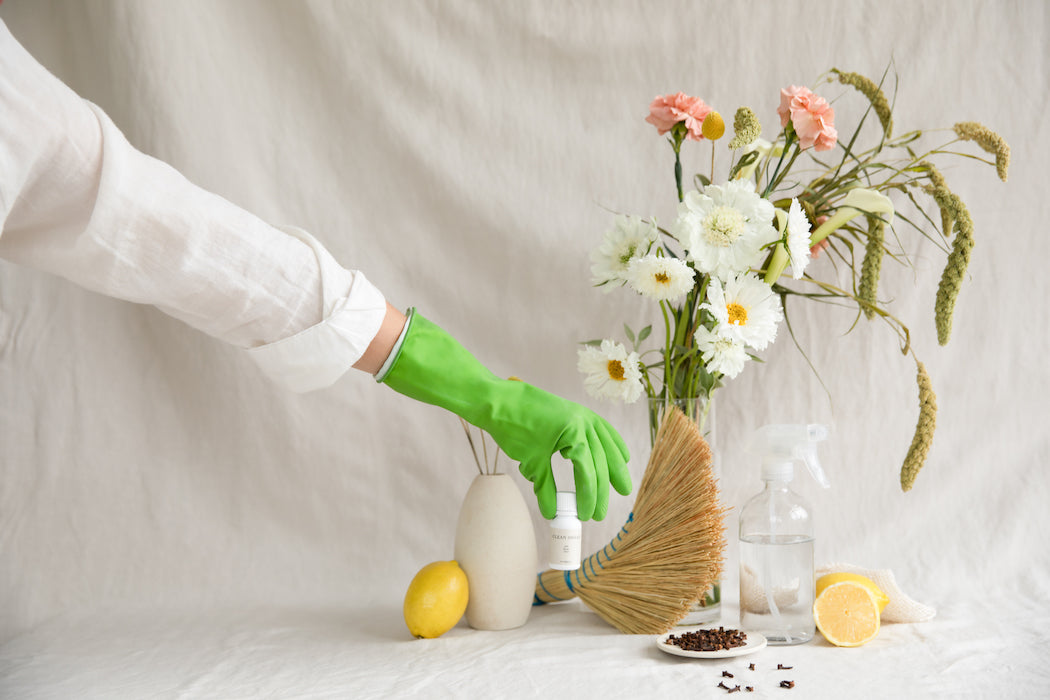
(994, 649)
(174, 526)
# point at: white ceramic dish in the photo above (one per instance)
(755, 641)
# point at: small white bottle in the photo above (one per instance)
(566, 534)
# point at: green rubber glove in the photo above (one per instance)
(528, 424)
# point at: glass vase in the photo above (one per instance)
(708, 609)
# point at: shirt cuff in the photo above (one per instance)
(318, 355)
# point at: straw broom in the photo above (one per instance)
(670, 550)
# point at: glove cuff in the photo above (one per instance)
(396, 350)
(431, 366)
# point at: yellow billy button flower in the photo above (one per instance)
(713, 127)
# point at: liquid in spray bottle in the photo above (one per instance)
(776, 538)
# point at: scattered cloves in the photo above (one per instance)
(787, 684)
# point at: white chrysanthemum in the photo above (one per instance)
(660, 278)
(797, 239)
(747, 310)
(723, 229)
(629, 238)
(612, 372)
(721, 353)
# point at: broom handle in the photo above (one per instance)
(553, 585)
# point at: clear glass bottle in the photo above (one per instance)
(776, 565)
(566, 534)
(776, 540)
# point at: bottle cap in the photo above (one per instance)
(566, 502)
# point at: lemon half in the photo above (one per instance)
(847, 614)
(881, 598)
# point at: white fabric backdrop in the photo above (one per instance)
(465, 156)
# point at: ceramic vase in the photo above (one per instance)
(496, 547)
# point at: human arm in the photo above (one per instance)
(77, 200)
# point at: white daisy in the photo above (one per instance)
(660, 278)
(629, 238)
(747, 310)
(724, 229)
(721, 353)
(797, 239)
(612, 372)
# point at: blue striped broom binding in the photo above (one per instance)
(667, 553)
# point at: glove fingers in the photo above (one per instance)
(617, 457)
(601, 475)
(583, 474)
(542, 479)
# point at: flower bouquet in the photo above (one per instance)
(719, 272)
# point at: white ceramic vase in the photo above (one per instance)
(496, 547)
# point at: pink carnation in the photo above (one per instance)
(667, 110)
(811, 115)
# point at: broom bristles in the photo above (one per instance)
(670, 550)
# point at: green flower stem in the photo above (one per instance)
(678, 174)
(678, 132)
(777, 264)
(779, 260)
(775, 179)
(832, 290)
(833, 224)
(668, 377)
(700, 296)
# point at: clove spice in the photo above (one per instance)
(709, 640)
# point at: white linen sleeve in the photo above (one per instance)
(79, 201)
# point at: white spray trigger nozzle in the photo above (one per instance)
(787, 443)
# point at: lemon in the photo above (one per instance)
(436, 599)
(713, 127)
(881, 598)
(847, 614)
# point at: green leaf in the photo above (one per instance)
(644, 333)
(630, 334)
(592, 343)
(747, 159)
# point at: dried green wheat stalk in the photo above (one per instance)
(920, 443)
(989, 141)
(872, 266)
(958, 262)
(939, 189)
(868, 88)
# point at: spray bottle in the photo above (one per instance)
(776, 538)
